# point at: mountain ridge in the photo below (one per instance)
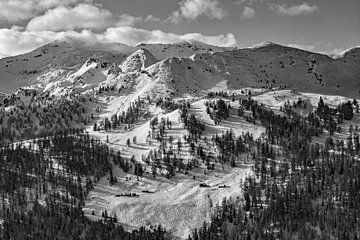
(190, 67)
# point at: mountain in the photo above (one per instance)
(139, 60)
(55, 61)
(266, 66)
(173, 151)
(182, 49)
(50, 63)
(186, 67)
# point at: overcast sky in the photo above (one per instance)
(327, 26)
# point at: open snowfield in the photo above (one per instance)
(276, 99)
(178, 204)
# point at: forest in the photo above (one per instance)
(44, 183)
(300, 189)
(305, 190)
(37, 115)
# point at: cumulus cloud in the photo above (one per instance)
(248, 12)
(13, 11)
(294, 10)
(192, 9)
(84, 20)
(14, 41)
(82, 16)
(130, 35)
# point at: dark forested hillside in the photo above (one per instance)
(44, 184)
(304, 190)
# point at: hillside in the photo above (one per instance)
(270, 66)
(182, 132)
(189, 68)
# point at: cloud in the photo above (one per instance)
(151, 18)
(248, 12)
(294, 10)
(82, 16)
(192, 9)
(131, 36)
(13, 11)
(14, 41)
(248, 2)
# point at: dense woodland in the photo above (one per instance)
(36, 115)
(44, 183)
(303, 190)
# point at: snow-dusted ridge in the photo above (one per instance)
(264, 44)
(187, 67)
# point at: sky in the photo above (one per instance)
(325, 26)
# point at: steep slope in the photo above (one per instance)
(92, 74)
(266, 66)
(55, 61)
(139, 60)
(190, 68)
(182, 49)
(50, 63)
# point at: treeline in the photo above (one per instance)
(130, 116)
(43, 115)
(193, 125)
(167, 159)
(218, 110)
(167, 104)
(231, 147)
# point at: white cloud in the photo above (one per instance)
(48, 4)
(294, 10)
(151, 18)
(249, 2)
(192, 9)
(130, 35)
(248, 12)
(18, 10)
(127, 20)
(14, 41)
(82, 16)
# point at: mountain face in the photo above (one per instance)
(183, 68)
(49, 64)
(139, 60)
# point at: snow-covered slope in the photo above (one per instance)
(189, 68)
(266, 66)
(182, 49)
(50, 63)
(139, 60)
